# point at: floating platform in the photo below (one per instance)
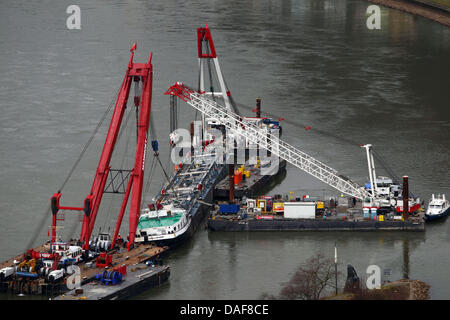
(341, 215)
(137, 279)
(252, 186)
(140, 254)
(284, 224)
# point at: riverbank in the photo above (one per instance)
(404, 289)
(425, 11)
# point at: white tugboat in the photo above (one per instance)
(438, 207)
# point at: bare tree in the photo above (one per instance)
(312, 279)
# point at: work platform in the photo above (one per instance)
(283, 224)
(137, 279)
(311, 216)
(138, 255)
(252, 186)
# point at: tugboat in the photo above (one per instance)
(438, 207)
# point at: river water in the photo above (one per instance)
(312, 61)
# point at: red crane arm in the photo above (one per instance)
(141, 148)
(138, 72)
(93, 200)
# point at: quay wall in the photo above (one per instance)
(436, 10)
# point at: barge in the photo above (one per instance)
(309, 214)
(252, 184)
(35, 283)
(134, 281)
(283, 224)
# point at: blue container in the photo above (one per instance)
(26, 274)
(373, 213)
(366, 213)
(229, 208)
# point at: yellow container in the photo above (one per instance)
(320, 205)
(278, 207)
(291, 196)
(381, 218)
(262, 204)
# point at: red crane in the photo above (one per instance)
(139, 73)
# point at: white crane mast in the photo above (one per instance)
(206, 53)
(371, 167)
(268, 141)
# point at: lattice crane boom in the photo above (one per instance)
(268, 141)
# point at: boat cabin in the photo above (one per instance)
(67, 252)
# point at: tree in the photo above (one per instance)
(311, 279)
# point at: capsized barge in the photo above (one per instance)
(182, 204)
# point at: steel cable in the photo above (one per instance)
(44, 218)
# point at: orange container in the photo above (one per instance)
(237, 177)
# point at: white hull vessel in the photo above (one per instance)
(438, 207)
(165, 225)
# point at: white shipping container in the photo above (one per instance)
(300, 210)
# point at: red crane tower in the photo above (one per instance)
(140, 73)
